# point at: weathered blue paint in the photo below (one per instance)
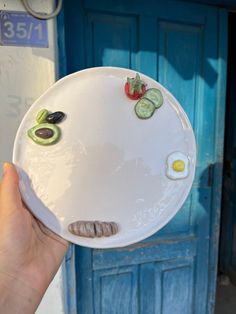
(69, 281)
(183, 46)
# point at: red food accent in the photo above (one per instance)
(135, 87)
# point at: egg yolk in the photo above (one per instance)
(178, 165)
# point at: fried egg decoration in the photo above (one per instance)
(177, 166)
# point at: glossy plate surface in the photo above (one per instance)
(108, 165)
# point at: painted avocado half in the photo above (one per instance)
(44, 133)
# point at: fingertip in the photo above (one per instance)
(9, 187)
(6, 166)
(9, 171)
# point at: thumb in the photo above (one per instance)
(10, 194)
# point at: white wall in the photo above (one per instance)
(25, 73)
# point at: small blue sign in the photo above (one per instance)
(22, 29)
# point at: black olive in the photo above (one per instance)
(55, 117)
(44, 133)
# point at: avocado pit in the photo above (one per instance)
(44, 133)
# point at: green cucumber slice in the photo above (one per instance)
(144, 108)
(155, 96)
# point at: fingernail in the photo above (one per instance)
(5, 165)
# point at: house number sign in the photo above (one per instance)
(21, 29)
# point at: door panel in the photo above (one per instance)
(178, 45)
(116, 290)
(116, 51)
(169, 285)
(186, 42)
(177, 287)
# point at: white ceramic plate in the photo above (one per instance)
(108, 165)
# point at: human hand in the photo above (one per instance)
(30, 254)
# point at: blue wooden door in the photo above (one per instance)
(183, 46)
